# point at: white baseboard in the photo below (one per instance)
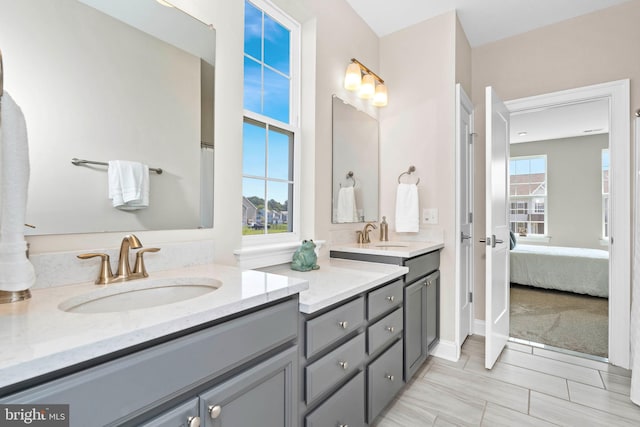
(446, 350)
(479, 327)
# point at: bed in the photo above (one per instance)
(579, 270)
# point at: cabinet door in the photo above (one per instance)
(415, 327)
(183, 415)
(344, 408)
(433, 315)
(265, 395)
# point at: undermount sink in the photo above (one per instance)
(135, 295)
(390, 245)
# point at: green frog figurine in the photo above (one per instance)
(305, 258)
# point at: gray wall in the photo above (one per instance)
(574, 201)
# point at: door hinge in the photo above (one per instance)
(470, 296)
(470, 217)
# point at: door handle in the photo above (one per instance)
(464, 237)
(494, 241)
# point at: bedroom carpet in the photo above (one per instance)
(560, 319)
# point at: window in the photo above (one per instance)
(528, 195)
(270, 132)
(605, 193)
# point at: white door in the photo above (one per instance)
(464, 206)
(497, 228)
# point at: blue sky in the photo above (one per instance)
(266, 80)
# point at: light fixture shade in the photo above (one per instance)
(368, 87)
(380, 97)
(352, 78)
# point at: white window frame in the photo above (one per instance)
(531, 198)
(293, 126)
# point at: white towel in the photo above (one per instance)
(347, 211)
(16, 271)
(407, 207)
(128, 184)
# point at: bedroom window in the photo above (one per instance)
(605, 193)
(528, 195)
(270, 130)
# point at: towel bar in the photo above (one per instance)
(79, 162)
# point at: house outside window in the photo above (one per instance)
(528, 195)
(270, 154)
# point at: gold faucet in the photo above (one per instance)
(124, 272)
(364, 234)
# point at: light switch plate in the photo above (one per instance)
(430, 216)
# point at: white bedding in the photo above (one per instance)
(579, 270)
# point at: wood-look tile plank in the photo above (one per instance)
(552, 367)
(471, 385)
(581, 361)
(613, 403)
(499, 416)
(523, 377)
(567, 413)
(519, 347)
(406, 412)
(616, 383)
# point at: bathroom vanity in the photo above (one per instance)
(421, 291)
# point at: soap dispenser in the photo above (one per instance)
(384, 230)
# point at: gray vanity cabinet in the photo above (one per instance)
(247, 365)
(421, 321)
(352, 365)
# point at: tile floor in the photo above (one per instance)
(527, 387)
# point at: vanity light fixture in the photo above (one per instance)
(368, 84)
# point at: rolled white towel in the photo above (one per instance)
(16, 271)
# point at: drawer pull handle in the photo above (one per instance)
(344, 364)
(193, 421)
(391, 298)
(343, 324)
(214, 411)
(391, 329)
(389, 377)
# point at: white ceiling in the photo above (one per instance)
(483, 21)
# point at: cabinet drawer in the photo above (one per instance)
(384, 380)
(330, 369)
(422, 265)
(384, 330)
(157, 372)
(384, 299)
(343, 408)
(176, 417)
(333, 325)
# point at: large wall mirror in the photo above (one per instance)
(105, 80)
(355, 164)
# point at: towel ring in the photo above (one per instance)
(350, 176)
(411, 170)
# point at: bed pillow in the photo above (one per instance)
(512, 240)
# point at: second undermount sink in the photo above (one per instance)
(138, 294)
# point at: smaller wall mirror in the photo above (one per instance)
(355, 164)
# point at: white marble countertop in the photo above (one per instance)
(406, 249)
(338, 279)
(37, 337)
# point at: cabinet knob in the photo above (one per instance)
(193, 421)
(343, 425)
(391, 329)
(214, 411)
(391, 298)
(343, 364)
(428, 282)
(343, 324)
(389, 377)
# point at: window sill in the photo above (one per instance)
(258, 256)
